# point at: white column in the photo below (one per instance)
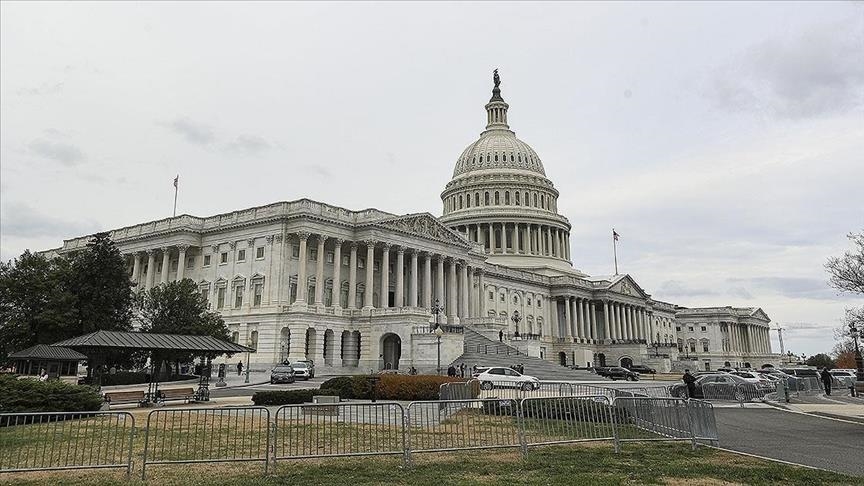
(399, 297)
(181, 262)
(439, 280)
(549, 240)
(607, 328)
(166, 261)
(336, 298)
(370, 274)
(503, 238)
(568, 327)
(385, 276)
(319, 273)
(301, 269)
(427, 280)
(482, 291)
(491, 239)
(352, 277)
(464, 292)
(412, 285)
(593, 318)
(452, 303)
(150, 278)
(136, 267)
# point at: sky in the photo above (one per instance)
(723, 141)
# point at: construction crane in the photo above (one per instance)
(780, 335)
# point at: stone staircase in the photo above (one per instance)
(482, 351)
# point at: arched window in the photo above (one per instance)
(496, 157)
(460, 201)
(526, 199)
(542, 201)
(507, 197)
(467, 200)
(253, 340)
(517, 198)
(535, 199)
(486, 198)
(481, 159)
(476, 198)
(511, 157)
(497, 198)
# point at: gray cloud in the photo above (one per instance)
(740, 292)
(20, 220)
(817, 73)
(793, 287)
(192, 131)
(676, 288)
(249, 145)
(65, 153)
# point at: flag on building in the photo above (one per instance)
(176, 180)
(615, 234)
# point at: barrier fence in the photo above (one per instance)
(202, 435)
(66, 440)
(247, 434)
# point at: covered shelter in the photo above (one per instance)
(55, 360)
(97, 345)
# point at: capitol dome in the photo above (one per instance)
(500, 197)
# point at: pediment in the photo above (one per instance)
(760, 314)
(423, 225)
(625, 285)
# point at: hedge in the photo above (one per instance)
(287, 397)
(32, 395)
(390, 387)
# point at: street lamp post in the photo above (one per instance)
(249, 345)
(859, 361)
(438, 333)
(516, 318)
(437, 309)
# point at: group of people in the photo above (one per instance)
(520, 368)
(454, 371)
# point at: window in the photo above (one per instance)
(159, 267)
(539, 302)
(257, 292)
(223, 257)
(502, 298)
(692, 345)
(238, 296)
(259, 252)
(235, 337)
(313, 255)
(253, 341)
(330, 257)
(220, 297)
(690, 328)
(515, 300)
(361, 263)
(705, 346)
(704, 329)
(174, 264)
(295, 251)
(491, 295)
(486, 198)
(293, 291)
(241, 255)
(190, 262)
(206, 260)
(346, 260)
(678, 328)
(497, 198)
(205, 293)
(507, 197)
(517, 198)
(477, 199)
(535, 199)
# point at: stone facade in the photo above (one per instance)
(358, 290)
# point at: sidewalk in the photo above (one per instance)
(231, 380)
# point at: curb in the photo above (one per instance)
(770, 459)
(809, 414)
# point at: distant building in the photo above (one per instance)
(356, 290)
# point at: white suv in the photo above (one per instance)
(500, 377)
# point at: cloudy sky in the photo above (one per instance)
(724, 142)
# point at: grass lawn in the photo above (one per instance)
(590, 464)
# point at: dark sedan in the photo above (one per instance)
(719, 386)
(282, 374)
(617, 373)
(642, 369)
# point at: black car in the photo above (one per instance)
(282, 374)
(642, 369)
(617, 373)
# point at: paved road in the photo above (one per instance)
(803, 439)
(248, 391)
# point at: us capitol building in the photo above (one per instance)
(360, 290)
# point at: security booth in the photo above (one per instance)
(58, 362)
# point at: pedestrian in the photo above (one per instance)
(43, 375)
(690, 381)
(239, 367)
(501, 336)
(451, 371)
(826, 380)
(461, 370)
(521, 369)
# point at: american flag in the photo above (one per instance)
(176, 180)
(615, 235)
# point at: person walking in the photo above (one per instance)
(826, 380)
(501, 336)
(239, 368)
(690, 381)
(462, 370)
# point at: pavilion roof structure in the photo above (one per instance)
(116, 340)
(46, 352)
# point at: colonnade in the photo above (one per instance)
(519, 238)
(748, 338)
(587, 321)
(147, 279)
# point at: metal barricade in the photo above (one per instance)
(40, 441)
(339, 429)
(459, 390)
(558, 420)
(652, 419)
(702, 421)
(201, 435)
(435, 426)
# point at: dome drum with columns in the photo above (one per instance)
(360, 290)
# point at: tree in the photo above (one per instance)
(34, 302)
(820, 360)
(847, 272)
(101, 289)
(179, 308)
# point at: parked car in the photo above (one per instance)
(725, 384)
(642, 369)
(755, 378)
(282, 374)
(304, 369)
(843, 378)
(501, 377)
(618, 373)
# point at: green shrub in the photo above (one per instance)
(31, 395)
(401, 387)
(282, 397)
(573, 409)
(341, 385)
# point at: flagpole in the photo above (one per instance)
(615, 250)
(176, 184)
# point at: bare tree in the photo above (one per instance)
(847, 271)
